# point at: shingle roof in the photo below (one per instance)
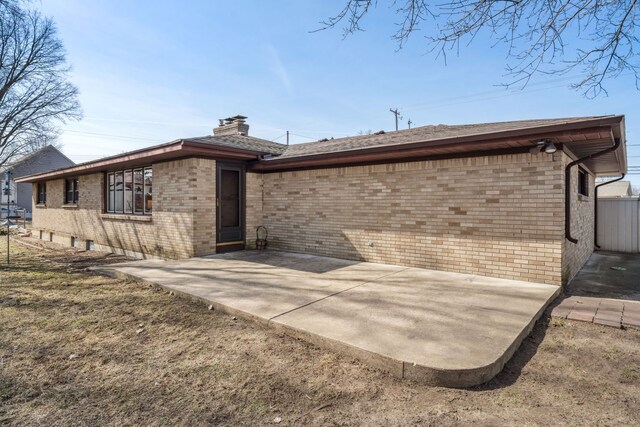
(615, 189)
(242, 142)
(45, 159)
(421, 141)
(420, 134)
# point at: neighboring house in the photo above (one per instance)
(489, 199)
(616, 189)
(44, 160)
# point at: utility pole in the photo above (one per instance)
(410, 123)
(397, 114)
(7, 176)
(287, 137)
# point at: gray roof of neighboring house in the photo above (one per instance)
(46, 159)
(241, 141)
(419, 134)
(616, 189)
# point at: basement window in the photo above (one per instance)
(130, 191)
(583, 182)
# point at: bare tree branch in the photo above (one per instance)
(35, 93)
(598, 38)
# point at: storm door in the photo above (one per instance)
(230, 207)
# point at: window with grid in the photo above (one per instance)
(71, 191)
(129, 191)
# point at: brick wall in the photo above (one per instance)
(498, 216)
(582, 216)
(182, 224)
(253, 209)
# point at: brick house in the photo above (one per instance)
(511, 199)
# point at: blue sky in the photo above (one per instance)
(153, 71)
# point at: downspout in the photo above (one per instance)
(595, 209)
(567, 186)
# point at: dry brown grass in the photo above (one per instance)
(81, 349)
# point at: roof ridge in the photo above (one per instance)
(32, 154)
(401, 131)
(421, 133)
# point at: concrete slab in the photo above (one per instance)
(564, 308)
(609, 313)
(632, 308)
(441, 328)
(449, 328)
(598, 279)
(605, 291)
(631, 321)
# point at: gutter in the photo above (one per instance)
(595, 209)
(155, 154)
(567, 186)
(380, 151)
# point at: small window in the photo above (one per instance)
(51, 237)
(583, 182)
(90, 246)
(128, 192)
(111, 192)
(138, 191)
(148, 185)
(73, 241)
(119, 192)
(71, 191)
(41, 197)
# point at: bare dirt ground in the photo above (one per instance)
(81, 349)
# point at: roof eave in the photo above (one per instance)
(160, 153)
(399, 152)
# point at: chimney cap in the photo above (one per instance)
(233, 119)
(234, 125)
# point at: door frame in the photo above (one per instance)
(238, 244)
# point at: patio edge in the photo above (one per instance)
(452, 378)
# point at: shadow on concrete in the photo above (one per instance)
(529, 347)
(598, 279)
(442, 327)
(294, 261)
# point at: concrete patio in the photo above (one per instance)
(440, 328)
(606, 291)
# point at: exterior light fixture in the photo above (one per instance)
(543, 145)
(550, 148)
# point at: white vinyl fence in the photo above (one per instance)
(619, 224)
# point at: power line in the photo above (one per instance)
(274, 140)
(150, 122)
(503, 93)
(105, 135)
(495, 91)
(303, 136)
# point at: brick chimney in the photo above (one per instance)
(232, 126)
